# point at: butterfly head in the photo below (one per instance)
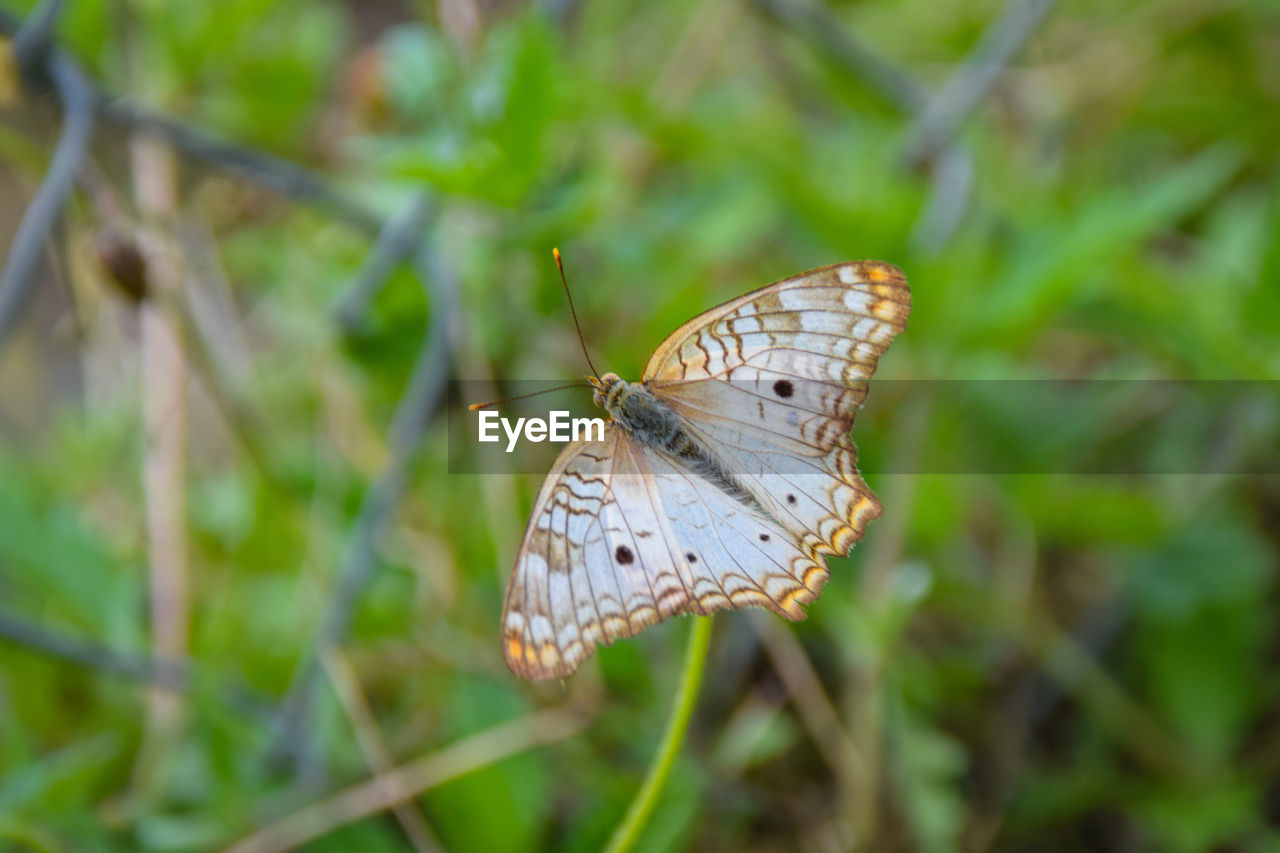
(606, 389)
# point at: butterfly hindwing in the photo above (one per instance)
(739, 556)
(622, 537)
(582, 576)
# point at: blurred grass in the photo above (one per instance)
(1022, 661)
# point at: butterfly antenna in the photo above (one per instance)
(573, 311)
(477, 406)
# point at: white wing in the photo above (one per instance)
(622, 537)
(771, 382)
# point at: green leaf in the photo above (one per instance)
(1055, 264)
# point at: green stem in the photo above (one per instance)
(641, 808)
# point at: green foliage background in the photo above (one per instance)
(1016, 661)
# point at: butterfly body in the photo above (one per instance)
(634, 408)
(725, 476)
(638, 411)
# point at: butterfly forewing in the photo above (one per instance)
(821, 501)
(623, 535)
(772, 380)
(830, 323)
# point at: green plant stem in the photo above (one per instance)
(641, 808)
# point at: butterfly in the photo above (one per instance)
(725, 475)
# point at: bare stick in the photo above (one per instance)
(174, 674)
(815, 23)
(817, 713)
(164, 418)
(261, 168)
(397, 239)
(1064, 659)
(86, 653)
(952, 182)
(418, 403)
(937, 121)
(380, 793)
(347, 685)
(952, 172)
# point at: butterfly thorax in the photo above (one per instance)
(637, 410)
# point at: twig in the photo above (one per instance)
(693, 54)
(38, 220)
(814, 22)
(283, 176)
(245, 423)
(418, 403)
(864, 693)
(398, 238)
(347, 686)
(558, 11)
(952, 173)
(177, 675)
(210, 301)
(937, 121)
(377, 794)
(80, 99)
(430, 371)
(164, 419)
(817, 713)
(86, 653)
(1093, 634)
(1065, 660)
(209, 362)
